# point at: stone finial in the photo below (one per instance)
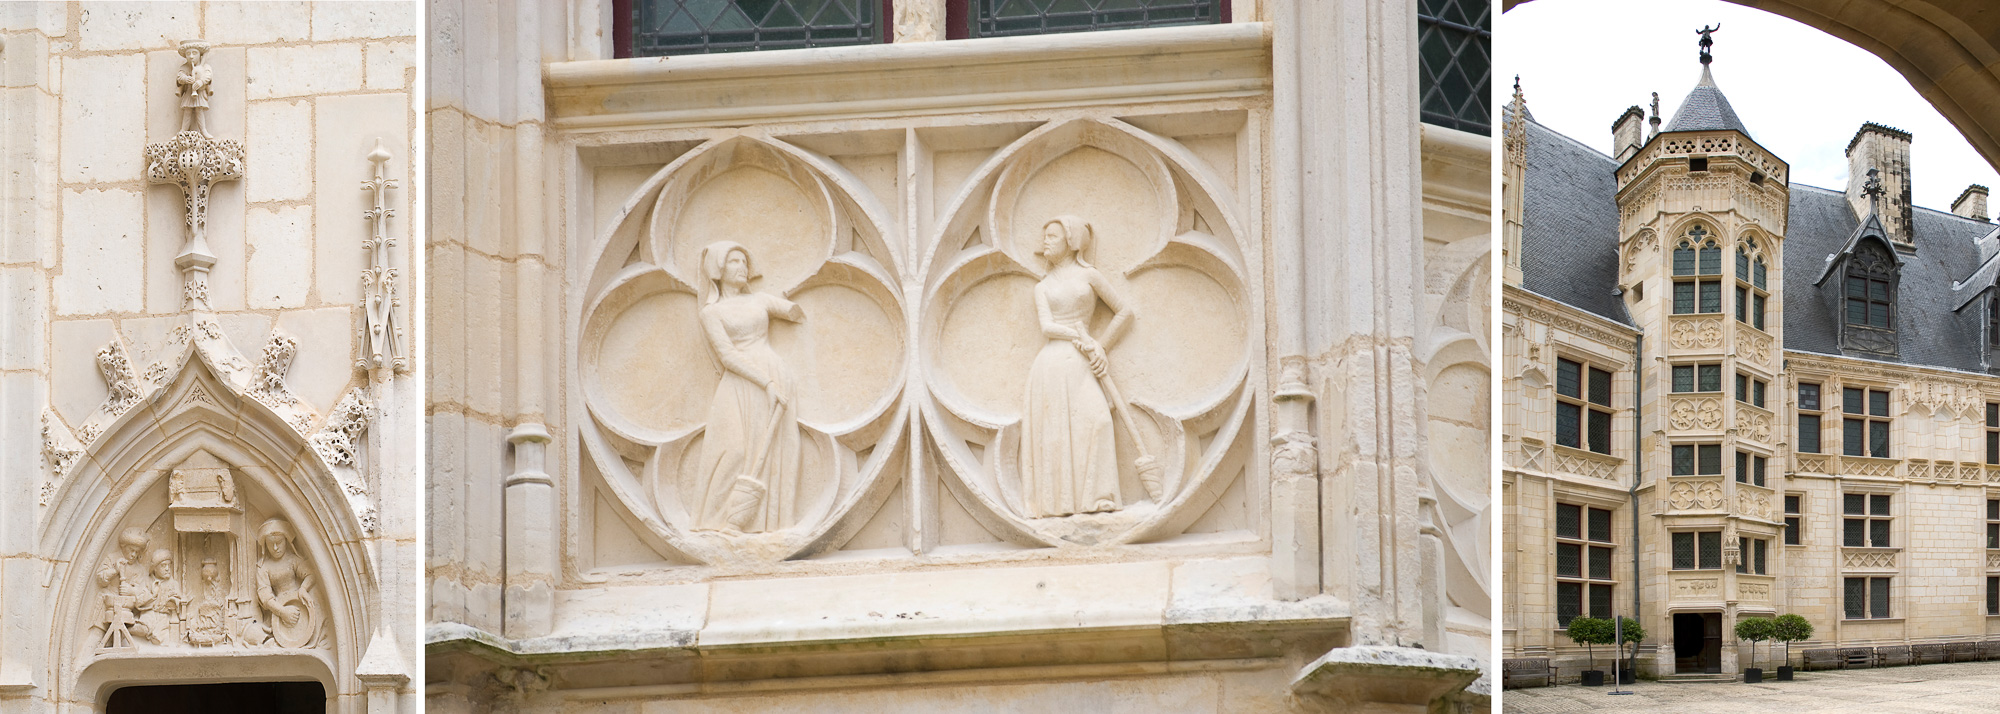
(195, 161)
(1655, 120)
(381, 341)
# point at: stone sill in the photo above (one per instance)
(1071, 69)
(1863, 620)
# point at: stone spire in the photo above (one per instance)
(1705, 108)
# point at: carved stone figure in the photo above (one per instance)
(749, 469)
(1069, 456)
(211, 623)
(159, 605)
(194, 81)
(287, 587)
(123, 581)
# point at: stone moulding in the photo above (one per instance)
(1177, 63)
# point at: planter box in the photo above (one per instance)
(1627, 676)
(1752, 675)
(1593, 678)
(1785, 673)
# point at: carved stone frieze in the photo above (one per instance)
(1755, 504)
(1859, 466)
(1753, 424)
(1557, 320)
(1812, 464)
(1695, 333)
(1754, 592)
(1697, 588)
(1754, 345)
(1588, 466)
(1869, 559)
(1694, 414)
(1703, 495)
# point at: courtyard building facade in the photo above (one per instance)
(1728, 395)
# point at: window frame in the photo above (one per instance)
(1812, 429)
(1874, 606)
(1701, 283)
(1874, 526)
(1752, 286)
(1795, 519)
(1594, 417)
(1586, 580)
(1863, 424)
(1993, 524)
(625, 24)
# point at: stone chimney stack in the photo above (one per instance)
(1627, 134)
(1886, 150)
(1972, 203)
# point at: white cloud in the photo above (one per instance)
(1801, 92)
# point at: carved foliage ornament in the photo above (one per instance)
(382, 337)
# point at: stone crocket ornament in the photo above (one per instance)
(195, 161)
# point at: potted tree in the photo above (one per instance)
(1589, 631)
(1754, 629)
(1634, 634)
(1789, 629)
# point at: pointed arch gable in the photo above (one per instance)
(197, 410)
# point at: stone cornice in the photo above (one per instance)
(1520, 301)
(1093, 68)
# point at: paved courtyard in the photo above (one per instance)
(1954, 688)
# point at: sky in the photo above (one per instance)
(1801, 92)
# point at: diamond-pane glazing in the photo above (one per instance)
(1455, 56)
(679, 27)
(1006, 18)
(1569, 560)
(1569, 520)
(1600, 563)
(1684, 551)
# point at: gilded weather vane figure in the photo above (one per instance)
(1707, 41)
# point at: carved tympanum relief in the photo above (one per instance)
(1083, 349)
(188, 571)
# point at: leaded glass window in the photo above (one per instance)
(681, 27)
(1711, 550)
(1684, 551)
(1008, 18)
(1869, 296)
(1455, 56)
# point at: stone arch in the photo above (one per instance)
(1949, 50)
(122, 476)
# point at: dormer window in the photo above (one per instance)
(1696, 257)
(1993, 321)
(1869, 299)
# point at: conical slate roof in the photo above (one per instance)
(1705, 109)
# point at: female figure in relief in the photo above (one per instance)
(285, 587)
(747, 477)
(1069, 459)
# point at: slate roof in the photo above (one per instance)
(1569, 244)
(1569, 224)
(1705, 109)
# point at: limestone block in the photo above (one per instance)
(351, 20)
(346, 128)
(280, 256)
(225, 115)
(486, 385)
(255, 23)
(75, 385)
(103, 252)
(136, 25)
(303, 70)
(325, 364)
(28, 216)
(21, 58)
(103, 118)
(246, 330)
(648, 616)
(389, 64)
(939, 603)
(277, 151)
(23, 318)
(151, 340)
(47, 18)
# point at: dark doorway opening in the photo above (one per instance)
(1697, 642)
(232, 698)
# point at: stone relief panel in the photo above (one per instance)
(743, 356)
(1753, 423)
(1874, 559)
(1753, 504)
(1698, 588)
(1458, 386)
(1755, 592)
(1694, 413)
(1086, 338)
(764, 357)
(1696, 333)
(1755, 346)
(206, 560)
(1704, 495)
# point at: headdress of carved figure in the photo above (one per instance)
(277, 526)
(714, 259)
(132, 538)
(1076, 233)
(162, 556)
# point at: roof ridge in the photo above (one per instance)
(1578, 142)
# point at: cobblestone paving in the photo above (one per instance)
(1940, 688)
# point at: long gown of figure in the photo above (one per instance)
(744, 422)
(1069, 459)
